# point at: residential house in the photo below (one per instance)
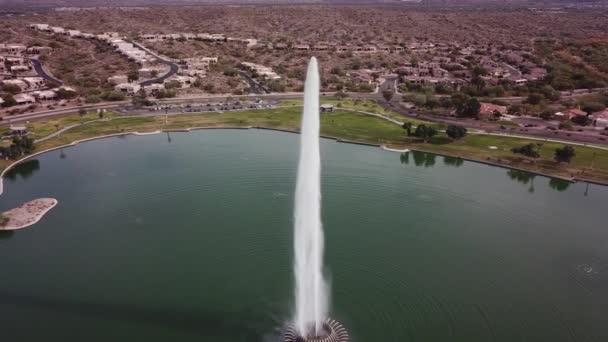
(41, 27)
(17, 82)
(321, 47)
(567, 115)
(536, 74)
(129, 89)
(57, 30)
(184, 81)
(18, 69)
(145, 72)
(302, 47)
(35, 82)
(37, 50)
(45, 95)
(23, 99)
(600, 119)
(153, 89)
(74, 33)
(361, 76)
(280, 46)
(12, 49)
(488, 110)
(118, 79)
(261, 70)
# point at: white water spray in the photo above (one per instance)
(311, 287)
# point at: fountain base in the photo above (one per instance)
(333, 331)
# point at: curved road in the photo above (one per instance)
(173, 67)
(43, 73)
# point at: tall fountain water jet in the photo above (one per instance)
(311, 323)
(311, 287)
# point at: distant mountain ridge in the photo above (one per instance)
(48, 4)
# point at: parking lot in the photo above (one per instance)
(217, 107)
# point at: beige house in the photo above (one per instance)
(22, 99)
(118, 79)
(129, 89)
(12, 49)
(45, 95)
(17, 82)
(35, 82)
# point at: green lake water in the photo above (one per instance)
(188, 237)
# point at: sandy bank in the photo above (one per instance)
(28, 213)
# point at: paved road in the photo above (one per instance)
(487, 127)
(254, 86)
(173, 67)
(43, 73)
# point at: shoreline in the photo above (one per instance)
(286, 130)
(26, 215)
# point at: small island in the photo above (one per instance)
(27, 214)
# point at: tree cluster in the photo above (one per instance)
(19, 146)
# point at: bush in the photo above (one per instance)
(582, 120)
(113, 95)
(92, 99)
(64, 94)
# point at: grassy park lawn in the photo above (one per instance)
(357, 104)
(340, 124)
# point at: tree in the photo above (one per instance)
(65, 94)
(408, 127)
(92, 99)
(558, 184)
(565, 125)
(466, 106)
(425, 132)
(592, 107)
(9, 100)
(133, 75)
(529, 150)
(341, 94)
(564, 154)
(388, 95)
(546, 114)
(11, 88)
(3, 220)
(140, 100)
(456, 131)
(582, 120)
(535, 98)
(82, 112)
(113, 96)
(173, 84)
